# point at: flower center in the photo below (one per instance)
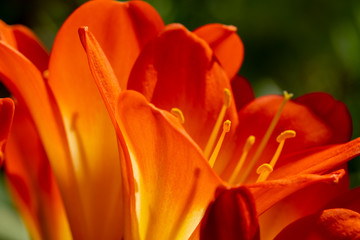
(265, 169)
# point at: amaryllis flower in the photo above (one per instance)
(145, 164)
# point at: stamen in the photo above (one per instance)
(220, 119)
(178, 114)
(266, 137)
(226, 129)
(249, 143)
(46, 74)
(265, 172)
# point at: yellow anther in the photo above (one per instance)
(226, 126)
(285, 135)
(264, 170)
(215, 153)
(46, 74)
(227, 97)
(281, 140)
(178, 113)
(249, 143)
(267, 135)
(211, 142)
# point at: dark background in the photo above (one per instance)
(299, 45)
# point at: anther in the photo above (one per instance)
(249, 143)
(281, 140)
(46, 74)
(178, 114)
(215, 153)
(267, 135)
(210, 144)
(264, 170)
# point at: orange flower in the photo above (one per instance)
(122, 167)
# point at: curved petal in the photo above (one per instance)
(232, 215)
(312, 129)
(32, 182)
(24, 40)
(226, 44)
(178, 70)
(243, 93)
(333, 112)
(25, 82)
(317, 160)
(6, 113)
(349, 200)
(268, 193)
(301, 203)
(330, 224)
(175, 182)
(121, 29)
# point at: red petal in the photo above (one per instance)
(226, 44)
(6, 117)
(312, 129)
(330, 224)
(334, 113)
(178, 70)
(242, 91)
(232, 215)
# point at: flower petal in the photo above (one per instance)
(32, 182)
(231, 215)
(267, 193)
(24, 40)
(330, 224)
(312, 129)
(226, 44)
(178, 70)
(334, 113)
(121, 29)
(175, 182)
(301, 203)
(25, 81)
(6, 118)
(317, 160)
(242, 91)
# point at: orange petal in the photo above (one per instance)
(330, 224)
(231, 215)
(349, 200)
(101, 70)
(317, 160)
(121, 29)
(24, 40)
(268, 193)
(301, 203)
(178, 70)
(175, 182)
(6, 117)
(32, 182)
(25, 82)
(226, 44)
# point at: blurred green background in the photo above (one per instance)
(300, 45)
